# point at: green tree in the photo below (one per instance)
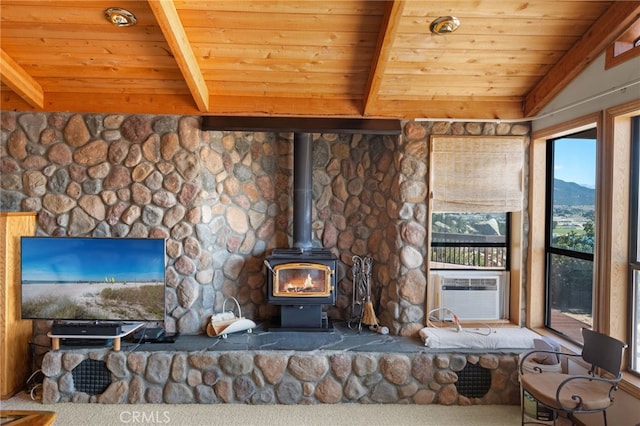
(582, 242)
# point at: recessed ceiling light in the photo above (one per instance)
(444, 25)
(120, 17)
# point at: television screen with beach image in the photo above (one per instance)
(93, 279)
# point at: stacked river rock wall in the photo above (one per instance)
(223, 200)
(278, 377)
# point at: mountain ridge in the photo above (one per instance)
(572, 194)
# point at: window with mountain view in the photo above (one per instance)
(469, 240)
(571, 164)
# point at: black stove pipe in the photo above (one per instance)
(302, 190)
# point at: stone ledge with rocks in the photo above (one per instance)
(343, 368)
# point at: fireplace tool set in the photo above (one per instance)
(362, 311)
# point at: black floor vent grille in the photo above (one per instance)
(474, 381)
(91, 376)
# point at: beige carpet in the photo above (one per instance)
(69, 414)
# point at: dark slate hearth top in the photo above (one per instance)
(341, 338)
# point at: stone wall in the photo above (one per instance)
(279, 377)
(222, 201)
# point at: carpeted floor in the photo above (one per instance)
(69, 414)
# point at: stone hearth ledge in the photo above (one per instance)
(341, 366)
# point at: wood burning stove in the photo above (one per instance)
(301, 282)
(303, 278)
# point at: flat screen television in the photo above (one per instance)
(92, 279)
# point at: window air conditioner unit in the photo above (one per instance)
(470, 297)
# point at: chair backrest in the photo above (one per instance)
(602, 351)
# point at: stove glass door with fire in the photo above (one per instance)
(302, 280)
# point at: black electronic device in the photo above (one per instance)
(152, 335)
(148, 334)
(86, 329)
(80, 342)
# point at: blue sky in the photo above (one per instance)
(575, 161)
(82, 259)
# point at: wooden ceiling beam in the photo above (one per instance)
(386, 37)
(14, 76)
(173, 30)
(617, 18)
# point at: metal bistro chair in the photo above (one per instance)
(574, 393)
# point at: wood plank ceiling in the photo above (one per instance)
(331, 58)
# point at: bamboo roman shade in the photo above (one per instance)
(476, 173)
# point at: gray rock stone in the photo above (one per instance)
(157, 370)
(353, 389)
(164, 199)
(410, 257)
(116, 363)
(80, 222)
(457, 362)
(34, 184)
(178, 393)
(288, 392)
(92, 186)
(233, 266)
(50, 392)
(187, 165)
(243, 388)
(71, 360)
(154, 394)
(136, 390)
(59, 181)
(115, 393)
(236, 363)
(66, 384)
(384, 393)
(152, 215)
(93, 206)
(137, 362)
(154, 180)
(205, 395)
(189, 323)
(33, 125)
(188, 291)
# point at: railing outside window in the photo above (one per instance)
(470, 241)
(478, 251)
